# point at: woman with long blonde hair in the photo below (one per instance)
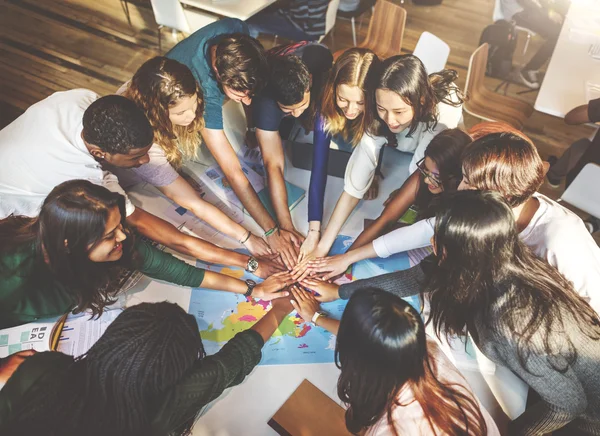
(343, 117)
(173, 102)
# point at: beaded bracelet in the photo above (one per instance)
(246, 238)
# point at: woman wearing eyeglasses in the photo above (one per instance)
(438, 171)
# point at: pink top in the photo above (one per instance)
(410, 420)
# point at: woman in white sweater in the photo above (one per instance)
(408, 109)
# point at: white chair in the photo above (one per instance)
(330, 17)
(582, 193)
(170, 13)
(499, 15)
(432, 51)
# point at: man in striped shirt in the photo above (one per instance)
(298, 20)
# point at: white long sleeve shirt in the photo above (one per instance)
(554, 234)
(363, 162)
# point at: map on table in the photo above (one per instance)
(221, 315)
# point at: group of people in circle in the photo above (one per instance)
(509, 267)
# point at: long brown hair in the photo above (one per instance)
(355, 67)
(381, 348)
(75, 211)
(157, 86)
(506, 163)
(484, 272)
(406, 76)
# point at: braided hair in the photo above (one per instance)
(119, 385)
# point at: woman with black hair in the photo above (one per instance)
(147, 375)
(520, 311)
(72, 254)
(405, 108)
(393, 378)
(440, 171)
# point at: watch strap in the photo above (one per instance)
(316, 317)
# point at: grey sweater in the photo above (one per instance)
(569, 399)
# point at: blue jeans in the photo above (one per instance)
(273, 23)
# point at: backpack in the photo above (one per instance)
(502, 39)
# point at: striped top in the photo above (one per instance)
(307, 15)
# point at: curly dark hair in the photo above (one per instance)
(116, 125)
(241, 63)
(289, 79)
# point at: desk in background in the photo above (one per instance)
(572, 70)
(241, 9)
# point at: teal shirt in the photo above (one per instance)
(29, 291)
(204, 382)
(194, 53)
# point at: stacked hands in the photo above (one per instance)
(304, 280)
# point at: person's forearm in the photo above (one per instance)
(223, 152)
(402, 283)
(329, 324)
(219, 221)
(166, 234)
(279, 198)
(245, 192)
(222, 282)
(267, 325)
(361, 253)
(342, 211)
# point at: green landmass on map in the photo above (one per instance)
(248, 313)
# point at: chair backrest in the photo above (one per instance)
(476, 72)
(582, 193)
(170, 13)
(331, 15)
(432, 51)
(498, 14)
(386, 29)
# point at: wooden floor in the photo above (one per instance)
(53, 45)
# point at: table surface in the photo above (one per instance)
(246, 409)
(571, 68)
(242, 9)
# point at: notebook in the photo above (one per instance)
(309, 412)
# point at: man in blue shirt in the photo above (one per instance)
(227, 62)
(296, 77)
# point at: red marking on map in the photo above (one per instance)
(302, 346)
(247, 318)
(304, 331)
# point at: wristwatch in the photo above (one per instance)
(251, 284)
(252, 265)
(316, 316)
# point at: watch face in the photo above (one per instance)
(250, 282)
(252, 264)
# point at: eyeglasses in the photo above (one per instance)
(434, 179)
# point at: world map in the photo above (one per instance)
(221, 315)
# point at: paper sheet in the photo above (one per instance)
(80, 332)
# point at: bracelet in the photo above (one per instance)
(314, 230)
(246, 238)
(271, 231)
(316, 317)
